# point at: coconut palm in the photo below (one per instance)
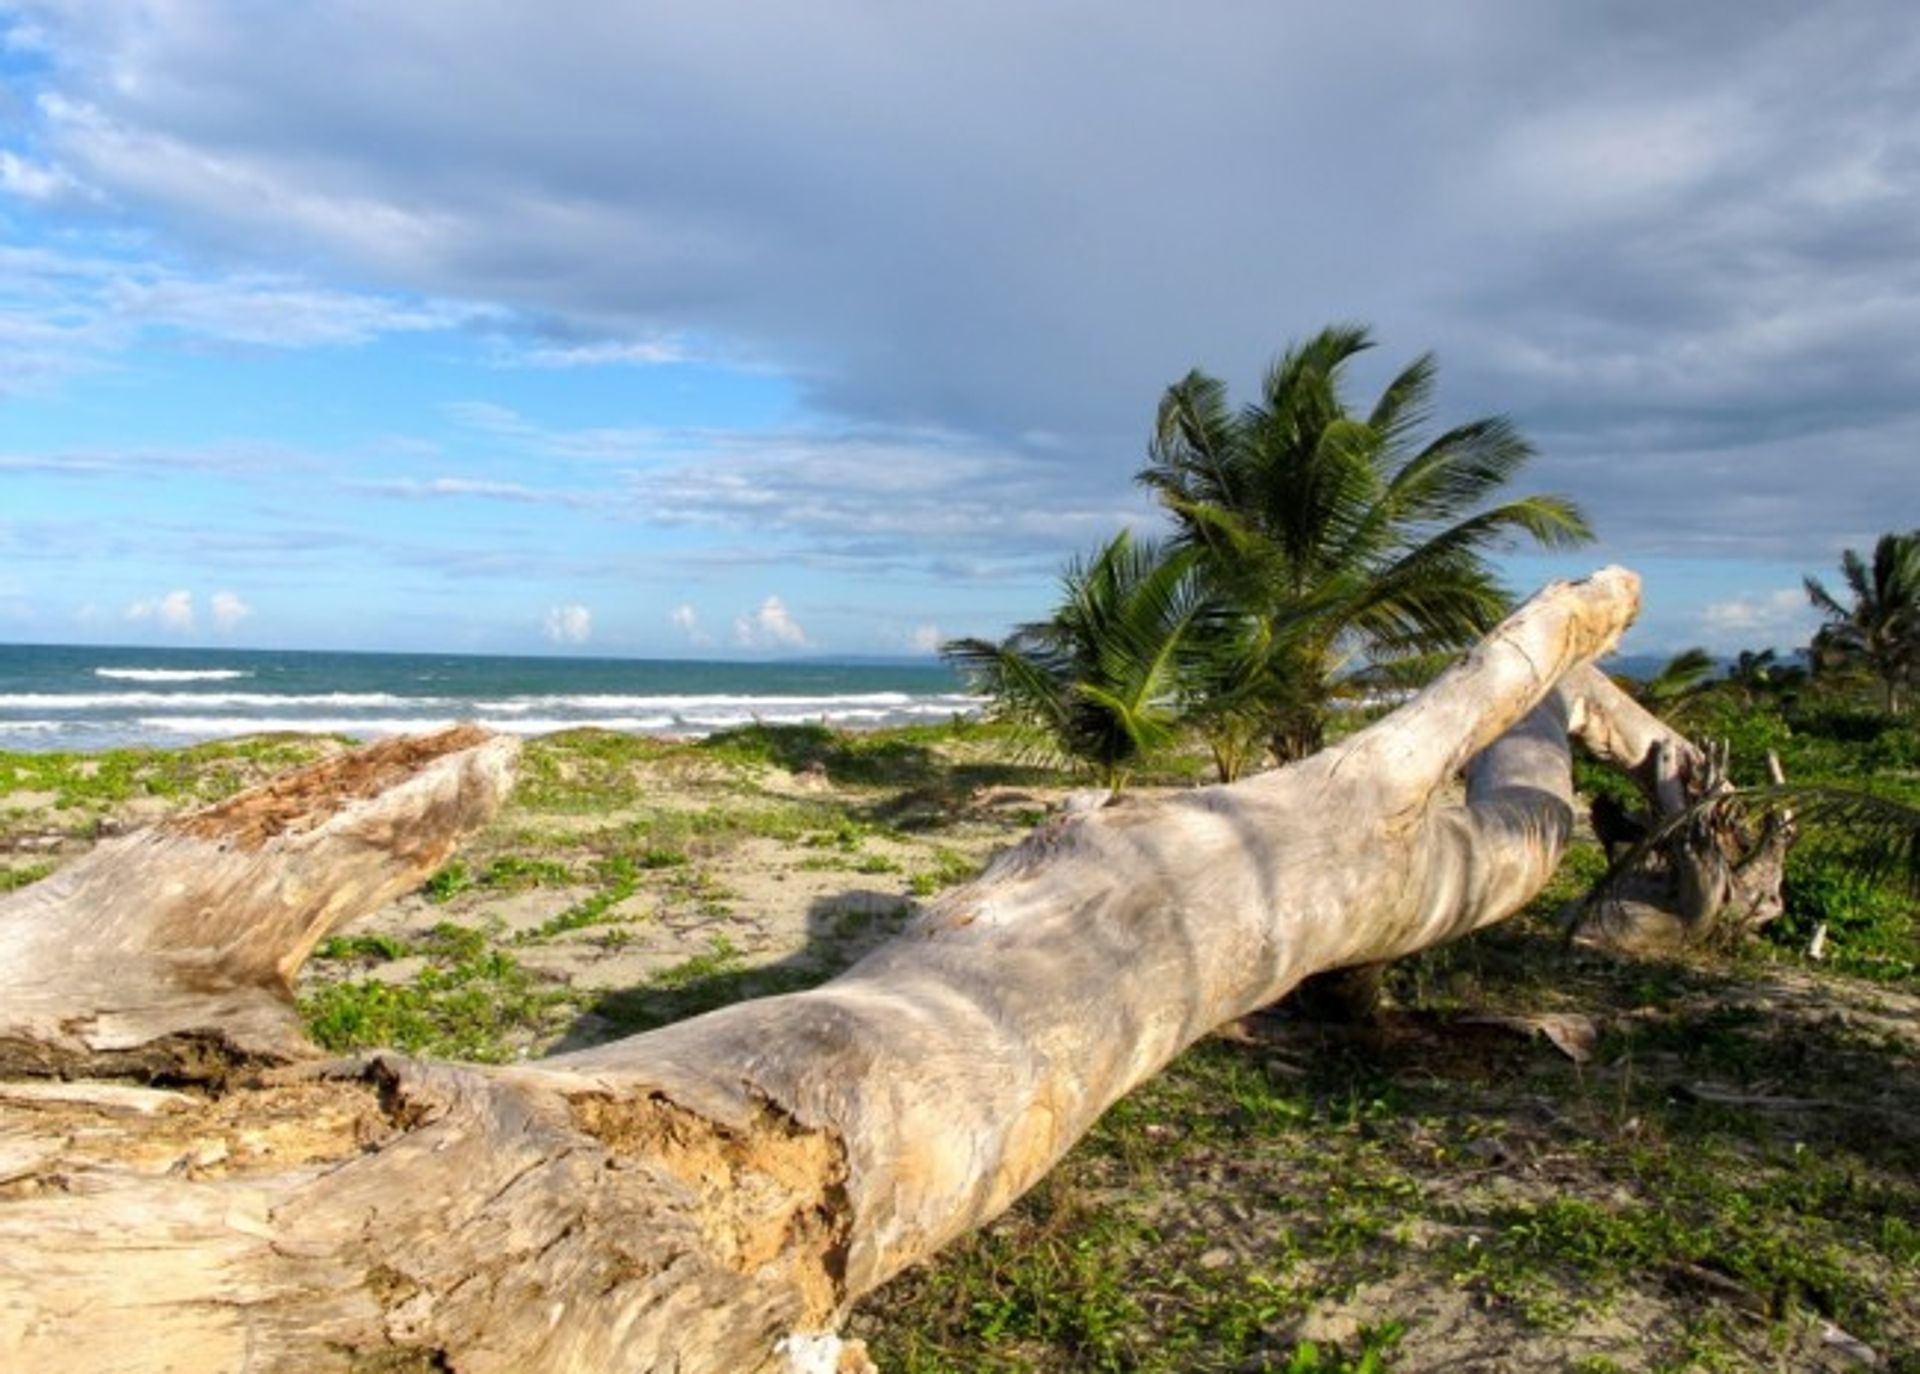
(1339, 536)
(1760, 673)
(1100, 681)
(1880, 631)
(1680, 677)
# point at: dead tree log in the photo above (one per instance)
(1712, 870)
(170, 953)
(709, 1198)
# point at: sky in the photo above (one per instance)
(835, 328)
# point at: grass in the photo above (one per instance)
(472, 1001)
(12, 879)
(1735, 1167)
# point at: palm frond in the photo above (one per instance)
(1406, 406)
(1880, 835)
(1681, 675)
(1461, 468)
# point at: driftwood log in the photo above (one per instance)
(711, 1197)
(1710, 870)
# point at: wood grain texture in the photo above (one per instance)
(689, 1199)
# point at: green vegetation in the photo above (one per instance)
(949, 869)
(1327, 535)
(13, 878)
(1734, 1168)
(91, 785)
(1880, 631)
(1309, 540)
(1098, 682)
(468, 1003)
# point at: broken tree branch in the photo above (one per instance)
(711, 1197)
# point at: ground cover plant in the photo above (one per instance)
(1726, 1177)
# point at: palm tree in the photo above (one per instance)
(1099, 682)
(1880, 631)
(1679, 677)
(1760, 673)
(1338, 536)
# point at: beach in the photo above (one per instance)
(1446, 1183)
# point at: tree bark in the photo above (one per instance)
(1718, 874)
(711, 1197)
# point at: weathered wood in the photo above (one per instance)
(711, 1197)
(1718, 874)
(170, 953)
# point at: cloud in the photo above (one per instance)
(569, 625)
(925, 639)
(228, 611)
(687, 621)
(1782, 618)
(35, 181)
(770, 627)
(610, 353)
(65, 311)
(1679, 243)
(173, 611)
(421, 489)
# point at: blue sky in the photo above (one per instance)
(761, 330)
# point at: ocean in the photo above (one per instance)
(85, 698)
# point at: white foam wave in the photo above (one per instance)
(712, 701)
(161, 701)
(29, 727)
(364, 726)
(678, 724)
(212, 727)
(173, 674)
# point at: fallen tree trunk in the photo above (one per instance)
(711, 1197)
(1712, 871)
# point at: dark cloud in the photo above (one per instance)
(1677, 241)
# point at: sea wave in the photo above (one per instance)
(212, 727)
(173, 674)
(160, 701)
(752, 703)
(680, 724)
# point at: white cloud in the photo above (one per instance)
(687, 621)
(1685, 259)
(569, 625)
(770, 627)
(34, 180)
(65, 311)
(174, 611)
(613, 353)
(925, 639)
(420, 489)
(228, 611)
(1783, 618)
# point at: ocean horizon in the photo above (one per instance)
(96, 697)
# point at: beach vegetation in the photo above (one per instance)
(1730, 1172)
(1332, 538)
(12, 879)
(1680, 677)
(949, 869)
(456, 877)
(471, 1001)
(620, 875)
(373, 947)
(1877, 630)
(1100, 683)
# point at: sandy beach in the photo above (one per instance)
(1451, 1188)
